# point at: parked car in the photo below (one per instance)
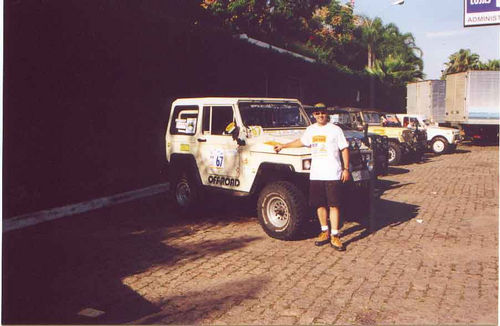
(439, 139)
(404, 143)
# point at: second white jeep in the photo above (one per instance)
(227, 144)
(439, 139)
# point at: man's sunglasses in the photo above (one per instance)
(319, 112)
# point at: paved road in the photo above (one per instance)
(433, 259)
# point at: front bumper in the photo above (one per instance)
(361, 165)
(457, 138)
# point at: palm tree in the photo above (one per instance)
(371, 35)
(396, 70)
(462, 60)
(491, 65)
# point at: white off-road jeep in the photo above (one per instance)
(439, 139)
(227, 144)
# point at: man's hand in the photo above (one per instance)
(345, 176)
(278, 148)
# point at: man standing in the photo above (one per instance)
(327, 142)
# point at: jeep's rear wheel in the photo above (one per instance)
(281, 209)
(394, 153)
(187, 192)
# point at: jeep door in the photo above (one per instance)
(218, 162)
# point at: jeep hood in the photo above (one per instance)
(381, 129)
(442, 128)
(265, 143)
(353, 134)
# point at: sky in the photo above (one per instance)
(437, 26)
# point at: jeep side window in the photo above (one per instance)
(358, 119)
(216, 119)
(414, 122)
(205, 126)
(184, 120)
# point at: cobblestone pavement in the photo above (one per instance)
(433, 259)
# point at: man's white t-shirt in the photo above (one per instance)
(326, 142)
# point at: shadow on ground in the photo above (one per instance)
(485, 143)
(388, 213)
(54, 270)
(395, 170)
(194, 306)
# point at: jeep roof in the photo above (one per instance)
(228, 100)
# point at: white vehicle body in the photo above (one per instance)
(435, 134)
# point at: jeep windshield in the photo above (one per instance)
(371, 118)
(391, 120)
(272, 114)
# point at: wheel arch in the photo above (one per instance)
(183, 161)
(439, 137)
(270, 172)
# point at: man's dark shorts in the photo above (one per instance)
(325, 193)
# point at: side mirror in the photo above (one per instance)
(233, 130)
(365, 132)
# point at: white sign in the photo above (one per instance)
(481, 12)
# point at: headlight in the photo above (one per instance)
(355, 143)
(306, 164)
(370, 165)
(368, 160)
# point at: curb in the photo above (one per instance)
(25, 220)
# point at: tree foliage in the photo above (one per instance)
(465, 60)
(331, 28)
(265, 19)
(328, 30)
(393, 57)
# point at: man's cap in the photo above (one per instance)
(319, 107)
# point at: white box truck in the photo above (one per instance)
(473, 103)
(427, 98)
(468, 100)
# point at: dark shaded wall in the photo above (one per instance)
(88, 85)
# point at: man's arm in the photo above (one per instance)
(345, 170)
(292, 144)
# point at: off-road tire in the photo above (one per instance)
(187, 192)
(282, 210)
(439, 145)
(395, 155)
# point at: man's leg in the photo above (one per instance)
(334, 194)
(324, 236)
(334, 221)
(322, 217)
(317, 199)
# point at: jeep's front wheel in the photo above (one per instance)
(394, 153)
(281, 210)
(439, 145)
(187, 192)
